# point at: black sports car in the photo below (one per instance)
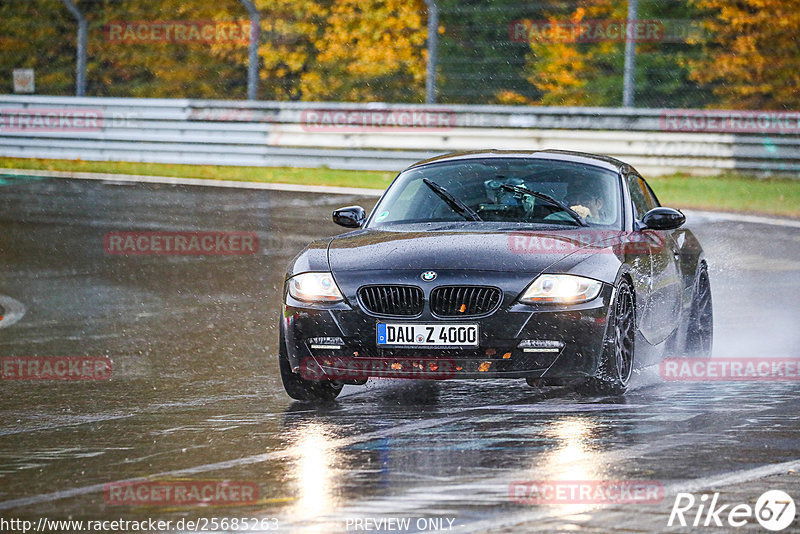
(558, 267)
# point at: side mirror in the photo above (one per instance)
(663, 219)
(350, 217)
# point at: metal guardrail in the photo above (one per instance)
(295, 133)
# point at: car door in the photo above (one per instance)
(661, 291)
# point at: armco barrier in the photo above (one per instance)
(385, 136)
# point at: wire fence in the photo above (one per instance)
(541, 52)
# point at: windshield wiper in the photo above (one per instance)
(456, 205)
(547, 198)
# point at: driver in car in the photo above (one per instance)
(588, 204)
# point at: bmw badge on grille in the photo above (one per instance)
(429, 276)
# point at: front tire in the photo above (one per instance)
(616, 365)
(700, 330)
(301, 389)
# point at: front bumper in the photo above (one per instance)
(582, 329)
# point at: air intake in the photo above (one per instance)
(403, 301)
(464, 301)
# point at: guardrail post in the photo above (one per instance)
(80, 69)
(630, 56)
(433, 42)
(252, 65)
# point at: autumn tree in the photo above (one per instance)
(169, 67)
(291, 34)
(575, 72)
(752, 59)
(39, 36)
(371, 50)
(42, 35)
(478, 60)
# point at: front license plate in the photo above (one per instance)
(427, 335)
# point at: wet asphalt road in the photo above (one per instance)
(195, 392)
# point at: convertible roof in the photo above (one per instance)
(605, 162)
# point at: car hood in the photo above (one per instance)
(530, 252)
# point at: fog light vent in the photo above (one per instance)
(540, 345)
(328, 343)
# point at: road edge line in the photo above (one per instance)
(207, 182)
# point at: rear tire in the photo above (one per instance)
(616, 365)
(301, 389)
(700, 330)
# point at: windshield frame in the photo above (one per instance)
(397, 225)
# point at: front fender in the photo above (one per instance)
(603, 264)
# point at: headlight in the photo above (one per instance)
(314, 287)
(561, 289)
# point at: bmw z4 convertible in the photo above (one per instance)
(558, 267)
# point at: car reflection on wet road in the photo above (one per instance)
(195, 393)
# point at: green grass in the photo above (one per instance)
(725, 192)
(286, 175)
(729, 192)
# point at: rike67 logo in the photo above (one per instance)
(774, 510)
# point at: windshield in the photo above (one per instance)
(512, 190)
